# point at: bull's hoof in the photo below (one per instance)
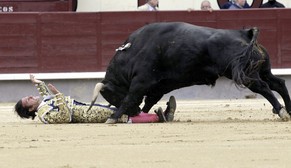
(284, 115)
(111, 121)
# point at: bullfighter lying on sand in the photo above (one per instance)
(55, 108)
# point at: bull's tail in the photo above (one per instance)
(97, 89)
(243, 65)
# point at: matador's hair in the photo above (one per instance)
(24, 112)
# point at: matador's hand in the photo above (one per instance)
(34, 80)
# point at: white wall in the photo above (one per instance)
(88, 5)
(106, 5)
(184, 4)
(121, 5)
(131, 5)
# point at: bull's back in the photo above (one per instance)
(161, 34)
(165, 42)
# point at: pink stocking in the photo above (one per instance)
(144, 118)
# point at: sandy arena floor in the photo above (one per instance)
(205, 134)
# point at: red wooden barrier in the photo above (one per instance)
(85, 42)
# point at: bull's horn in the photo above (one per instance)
(96, 91)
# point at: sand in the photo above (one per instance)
(205, 134)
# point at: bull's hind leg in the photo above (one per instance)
(279, 86)
(259, 86)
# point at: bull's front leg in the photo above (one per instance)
(129, 106)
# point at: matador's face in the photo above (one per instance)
(31, 102)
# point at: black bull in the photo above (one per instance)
(161, 57)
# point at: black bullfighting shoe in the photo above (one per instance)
(161, 115)
(171, 108)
